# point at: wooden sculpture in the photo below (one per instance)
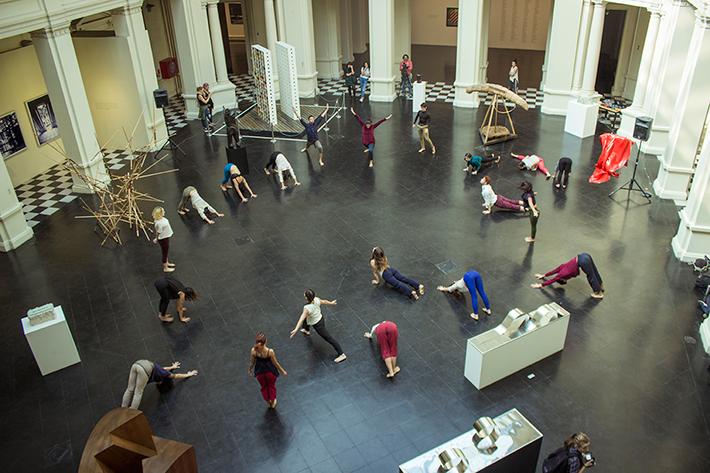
(491, 131)
(123, 442)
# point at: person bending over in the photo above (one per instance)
(144, 372)
(170, 288)
(562, 172)
(280, 165)
(311, 126)
(381, 271)
(237, 180)
(386, 336)
(532, 162)
(198, 203)
(368, 134)
(474, 283)
(475, 163)
(569, 270)
(491, 199)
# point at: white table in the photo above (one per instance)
(52, 343)
(418, 95)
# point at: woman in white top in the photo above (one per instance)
(163, 232)
(532, 162)
(490, 199)
(312, 317)
(279, 165)
(198, 203)
(513, 76)
(364, 77)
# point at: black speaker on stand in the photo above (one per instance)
(642, 132)
(161, 101)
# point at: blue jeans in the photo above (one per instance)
(363, 86)
(206, 117)
(370, 151)
(474, 283)
(586, 264)
(399, 281)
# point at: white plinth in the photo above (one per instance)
(491, 356)
(705, 335)
(52, 343)
(581, 119)
(418, 95)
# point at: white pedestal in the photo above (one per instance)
(418, 95)
(495, 354)
(581, 119)
(705, 335)
(51, 343)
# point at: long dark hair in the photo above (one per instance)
(309, 295)
(260, 340)
(190, 294)
(165, 385)
(526, 186)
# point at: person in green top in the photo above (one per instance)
(475, 163)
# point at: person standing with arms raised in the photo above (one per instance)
(368, 134)
(311, 126)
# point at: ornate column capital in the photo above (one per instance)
(702, 19)
(53, 30)
(212, 3)
(599, 3)
(130, 8)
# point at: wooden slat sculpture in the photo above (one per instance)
(491, 131)
(123, 442)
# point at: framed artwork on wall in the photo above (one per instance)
(452, 16)
(11, 139)
(44, 123)
(236, 15)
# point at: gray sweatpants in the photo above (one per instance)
(137, 381)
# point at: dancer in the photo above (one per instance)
(405, 69)
(163, 232)
(381, 271)
(562, 172)
(171, 288)
(311, 126)
(236, 178)
(569, 270)
(279, 164)
(530, 205)
(475, 163)
(198, 203)
(532, 162)
(490, 199)
(422, 120)
(364, 77)
(229, 169)
(311, 317)
(265, 368)
(513, 76)
(474, 283)
(368, 134)
(349, 76)
(386, 335)
(144, 372)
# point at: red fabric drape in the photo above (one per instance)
(615, 154)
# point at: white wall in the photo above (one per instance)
(23, 77)
(636, 51)
(155, 24)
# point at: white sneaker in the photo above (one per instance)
(340, 358)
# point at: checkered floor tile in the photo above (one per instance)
(175, 114)
(48, 192)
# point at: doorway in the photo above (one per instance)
(611, 45)
(233, 17)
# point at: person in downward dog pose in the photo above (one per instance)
(569, 270)
(562, 172)
(198, 203)
(311, 317)
(532, 162)
(386, 335)
(311, 126)
(368, 134)
(265, 368)
(381, 271)
(474, 283)
(280, 165)
(491, 199)
(170, 288)
(236, 178)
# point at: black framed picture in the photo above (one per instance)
(236, 15)
(11, 139)
(44, 122)
(452, 16)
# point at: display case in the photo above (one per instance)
(51, 342)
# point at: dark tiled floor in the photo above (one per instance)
(626, 375)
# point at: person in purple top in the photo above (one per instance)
(368, 134)
(474, 283)
(569, 270)
(144, 372)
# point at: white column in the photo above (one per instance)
(582, 38)
(591, 63)
(689, 115)
(693, 238)
(468, 60)
(547, 53)
(560, 67)
(483, 54)
(128, 23)
(220, 63)
(381, 25)
(359, 26)
(402, 34)
(281, 20)
(60, 68)
(327, 37)
(271, 38)
(14, 230)
(299, 34)
(346, 32)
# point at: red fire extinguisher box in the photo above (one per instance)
(168, 67)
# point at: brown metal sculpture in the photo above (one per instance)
(491, 130)
(123, 442)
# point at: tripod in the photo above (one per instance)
(169, 143)
(632, 184)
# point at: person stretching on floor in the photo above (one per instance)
(532, 162)
(311, 126)
(144, 372)
(368, 134)
(474, 283)
(562, 172)
(311, 317)
(381, 271)
(171, 288)
(476, 163)
(386, 335)
(569, 270)
(279, 164)
(236, 178)
(490, 199)
(198, 203)
(229, 169)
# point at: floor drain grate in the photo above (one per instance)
(446, 266)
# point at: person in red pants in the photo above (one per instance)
(386, 334)
(532, 162)
(265, 368)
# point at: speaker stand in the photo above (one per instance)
(632, 184)
(170, 143)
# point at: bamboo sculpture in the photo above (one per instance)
(491, 130)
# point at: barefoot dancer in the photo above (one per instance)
(265, 368)
(386, 334)
(236, 178)
(171, 288)
(368, 134)
(530, 204)
(198, 203)
(569, 270)
(312, 317)
(532, 162)
(163, 232)
(422, 120)
(311, 126)
(381, 271)
(144, 372)
(474, 283)
(279, 164)
(490, 199)
(476, 163)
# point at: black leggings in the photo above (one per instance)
(325, 334)
(162, 287)
(586, 264)
(564, 167)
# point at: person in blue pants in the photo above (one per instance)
(381, 271)
(474, 283)
(229, 169)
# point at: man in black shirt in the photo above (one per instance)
(421, 121)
